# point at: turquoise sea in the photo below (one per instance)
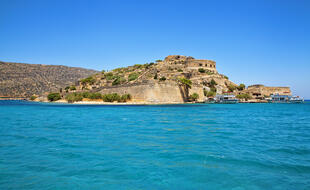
(173, 147)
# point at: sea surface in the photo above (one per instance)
(174, 147)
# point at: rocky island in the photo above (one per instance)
(176, 79)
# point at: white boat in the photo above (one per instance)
(285, 99)
(296, 99)
(226, 99)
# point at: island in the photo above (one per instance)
(176, 79)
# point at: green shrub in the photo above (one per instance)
(205, 92)
(194, 96)
(103, 71)
(133, 76)
(158, 60)
(186, 82)
(74, 97)
(33, 97)
(72, 88)
(226, 77)
(125, 98)
(201, 70)
(213, 83)
(94, 96)
(231, 87)
(110, 97)
(211, 93)
(162, 79)
(244, 96)
(241, 87)
(118, 80)
(53, 97)
(109, 76)
(86, 94)
(180, 70)
(88, 80)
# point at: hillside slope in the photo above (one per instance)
(24, 80)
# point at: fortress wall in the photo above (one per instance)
(206, 64)
(166, 92)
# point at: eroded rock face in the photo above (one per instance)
(260, 91)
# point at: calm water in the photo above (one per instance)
(242, 146)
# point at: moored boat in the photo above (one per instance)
(226, 99)
(276, 98)
(296, 99)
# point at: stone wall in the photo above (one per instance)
(191, 63)
(205, 64)
(162, 92)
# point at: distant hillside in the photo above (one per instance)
(24, 80)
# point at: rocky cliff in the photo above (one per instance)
(24, 80)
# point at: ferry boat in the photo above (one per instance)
(285, 99)
(226, 99)
(296, 99)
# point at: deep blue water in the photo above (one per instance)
(175, 147)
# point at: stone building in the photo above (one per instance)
(191, 63)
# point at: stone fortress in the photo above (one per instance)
(191, 63)
(147, 89)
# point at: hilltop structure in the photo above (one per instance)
(191, 63)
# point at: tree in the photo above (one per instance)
(231, 87)
(186, 82)
(53, 97)
(158, 60)
(194, 96)
(155, 77)
(213, 83)
(241, 87)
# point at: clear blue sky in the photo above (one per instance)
(252, 41)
